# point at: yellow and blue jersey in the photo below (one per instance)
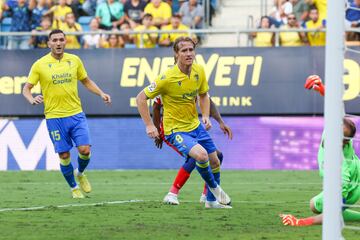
(316, 38)
(179, 92)
(59, 84)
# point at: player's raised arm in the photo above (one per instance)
(141, 101)
(315, 82)
(94, 88)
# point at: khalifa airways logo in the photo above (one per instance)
(26, 157)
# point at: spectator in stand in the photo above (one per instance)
(45, 27)
(134, 12)
(59, 12)
(192, 14)
(110, 14)
(70, 25)
(113, 41)
(160, 11)
(89, 6)
(146, 40)
(264, 39)
(301, 10)
(1, 8)
(321, 5)
(20, 22)
(315, 38)
(280, 11)
(292, 39)
(92, 41)
(168, 39)
(38, 12)
(353, 20)
(128, 39)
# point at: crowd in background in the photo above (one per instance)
(303, 14)
(125, 15)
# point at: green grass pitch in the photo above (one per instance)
(258, 197)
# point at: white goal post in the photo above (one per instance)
(334, 113)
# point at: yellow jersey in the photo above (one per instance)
(178, 92)
(263, 39)
(316, 38)
(174, 36)
(72, 41)
(162, 12)
(58, 82)
(290, 39)
(60, 11)
(321, 5)
(147, 43)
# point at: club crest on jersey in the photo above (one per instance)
(49, 65)
(69, 63)
(179, 83)
(196, 76)
(152, 87)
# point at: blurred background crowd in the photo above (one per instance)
(127, 15)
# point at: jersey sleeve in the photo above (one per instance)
(167, 12)
(156, 88)
(34, 76)
(81, 72)
(346, 180)
(204, 86)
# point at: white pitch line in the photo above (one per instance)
(159, 183)
(352, 228)
(69, 205)
(135, 201)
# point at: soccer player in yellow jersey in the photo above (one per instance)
(58, 74)
(179, 87)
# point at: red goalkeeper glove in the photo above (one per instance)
(314, 82)
(290, 220)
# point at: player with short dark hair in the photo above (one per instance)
(350, 172)
(58, 74)
(179, 87)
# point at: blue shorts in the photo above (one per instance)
(184, 141)
(63, 131)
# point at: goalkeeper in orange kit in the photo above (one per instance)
(350, 172)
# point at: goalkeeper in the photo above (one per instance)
(350, 172)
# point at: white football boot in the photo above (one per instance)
(215, 204)
(171, 198)
(220, 195)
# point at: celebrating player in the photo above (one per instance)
(350, 172)
(58, 74)
(179, 87)
(189, 165)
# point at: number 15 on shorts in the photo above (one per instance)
(55, 135)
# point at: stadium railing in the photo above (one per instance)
(190, 32)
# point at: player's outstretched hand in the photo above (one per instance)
(152, 131)
(226, 130)
(106, 98)
(206, 121)
(314, 82)
(158, 142)
(289, 220)
(37, 100)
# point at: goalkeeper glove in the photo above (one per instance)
(290, 220)
(314, 82)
